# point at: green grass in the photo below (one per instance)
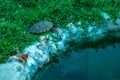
(17, 16)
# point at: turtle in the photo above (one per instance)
(41, 27)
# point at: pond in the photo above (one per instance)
(96, 62)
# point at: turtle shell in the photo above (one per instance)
(40, 27)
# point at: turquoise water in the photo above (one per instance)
(89, 62)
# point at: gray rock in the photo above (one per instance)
(117, 22)
(105, 16)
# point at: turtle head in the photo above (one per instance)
(56, 25)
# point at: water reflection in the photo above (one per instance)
(86, 64)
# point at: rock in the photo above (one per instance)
(105, 16)
(117, 22)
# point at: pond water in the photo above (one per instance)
(88, 63)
